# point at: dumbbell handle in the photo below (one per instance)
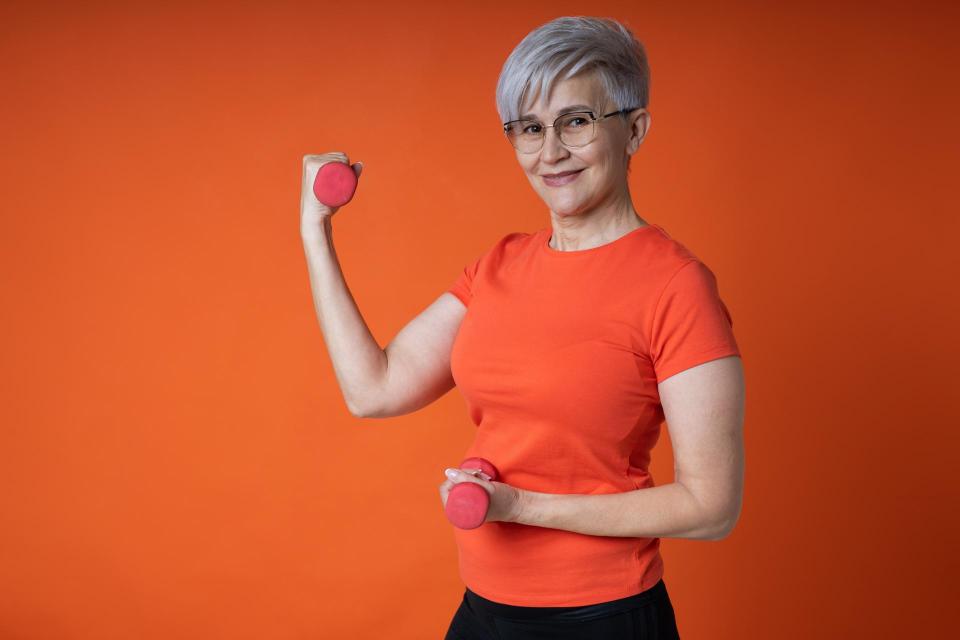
(468, 502)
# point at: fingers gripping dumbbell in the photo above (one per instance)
(468, 502)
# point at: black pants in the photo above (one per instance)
(644, 616)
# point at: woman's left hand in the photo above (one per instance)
(504, 499)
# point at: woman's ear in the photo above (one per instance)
(639, 127)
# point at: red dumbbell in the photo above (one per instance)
(335, 183)
(468, 502)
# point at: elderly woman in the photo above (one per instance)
(571, 344)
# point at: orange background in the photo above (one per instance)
(176, 455)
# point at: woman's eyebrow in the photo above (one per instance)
(573, 107)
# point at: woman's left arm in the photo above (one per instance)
(704, 410)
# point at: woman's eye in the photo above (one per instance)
(578, 121)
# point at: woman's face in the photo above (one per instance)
(602, 163)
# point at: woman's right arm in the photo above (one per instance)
(414, 369)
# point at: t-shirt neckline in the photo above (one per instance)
(554, 253)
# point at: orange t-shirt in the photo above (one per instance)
(558, 357)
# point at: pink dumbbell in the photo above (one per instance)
(335, 184)
(468, 502)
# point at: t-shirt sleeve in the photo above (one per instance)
(691, 324)
(463, 285)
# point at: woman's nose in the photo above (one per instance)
(552, 147)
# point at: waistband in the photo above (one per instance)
(585, 612)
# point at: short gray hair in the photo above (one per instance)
(570, 45)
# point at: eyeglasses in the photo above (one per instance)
(576, 129)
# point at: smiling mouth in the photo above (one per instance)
(562, 179)
(561, 175)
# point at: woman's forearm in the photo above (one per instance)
(358, 360)
(665, 511)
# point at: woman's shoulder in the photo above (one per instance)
(516, 238)
(669, 248)
(500, 251)
(511, 244)
(666, 257)
(671, 251)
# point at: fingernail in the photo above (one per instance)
(451, 473)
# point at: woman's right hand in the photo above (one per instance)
(314, 213)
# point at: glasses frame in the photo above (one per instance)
(594, 119)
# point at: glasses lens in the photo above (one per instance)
(525, 135)
(575, 129)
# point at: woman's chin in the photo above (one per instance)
(564, 206)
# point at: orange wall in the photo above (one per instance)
(177, 459)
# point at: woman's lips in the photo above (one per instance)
(559, 181)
